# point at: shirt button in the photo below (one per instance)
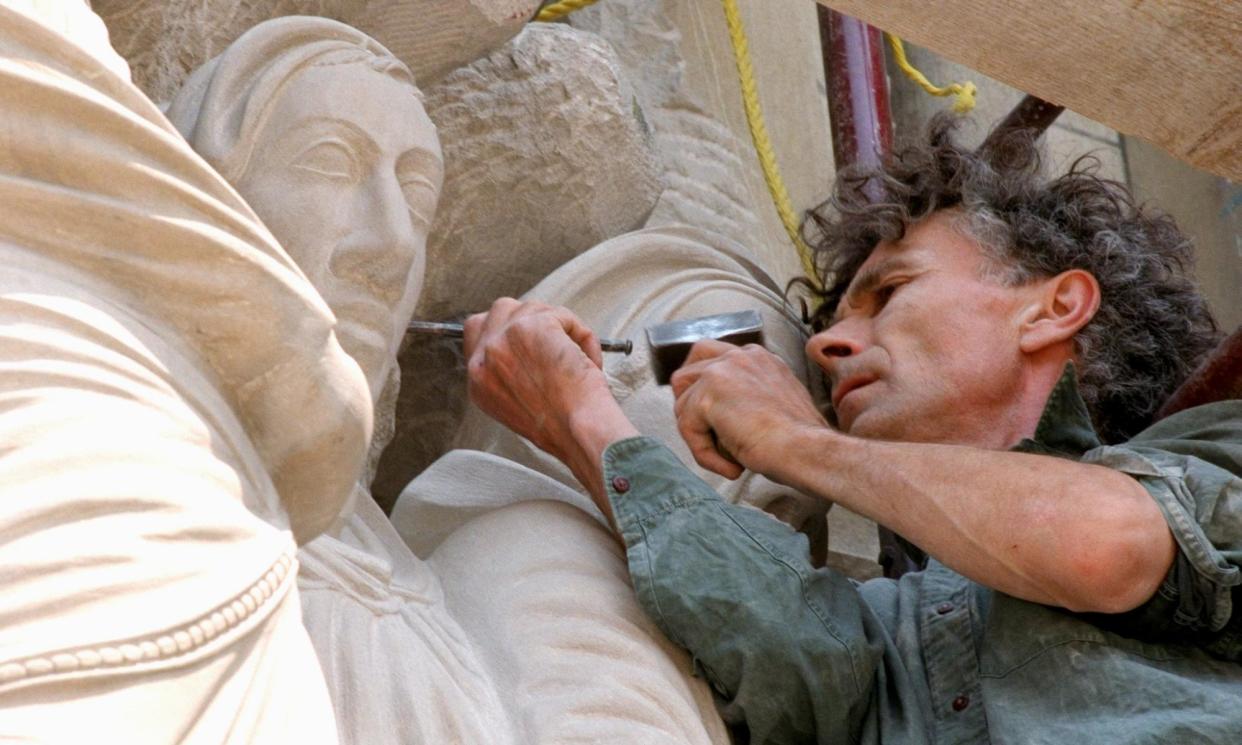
(960, 703)
(620, 484)
(944, 608)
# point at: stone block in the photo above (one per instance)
(678, 54)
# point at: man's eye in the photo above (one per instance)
(884, 293)
(329, 158)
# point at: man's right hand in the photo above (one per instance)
(537, 369)
(746, 402)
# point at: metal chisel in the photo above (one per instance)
(454, 330)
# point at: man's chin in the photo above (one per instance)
(873, 425)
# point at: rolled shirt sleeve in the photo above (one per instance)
(1190, 464)
(793, 651)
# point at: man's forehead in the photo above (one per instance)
(935, 241)
(932, 243)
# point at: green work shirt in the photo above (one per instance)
(799, 654)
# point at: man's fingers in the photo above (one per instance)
(478, 327)
(502, 311)
(472, 333)
(691, 410)
(703, 446)
(683, 378)
(706, 350)
(581, 334)
(702, 356)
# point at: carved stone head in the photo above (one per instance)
(323, 132)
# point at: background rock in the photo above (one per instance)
(545, 154)
(164, 40)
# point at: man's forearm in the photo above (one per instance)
(1044, 529)
(594, 428)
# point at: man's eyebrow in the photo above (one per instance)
(869, 279)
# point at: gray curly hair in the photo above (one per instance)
(1153, 326)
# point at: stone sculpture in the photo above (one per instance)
(155, 345)
(466, 646)
(562, 164)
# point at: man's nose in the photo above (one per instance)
(842, 339)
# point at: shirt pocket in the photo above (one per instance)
(1018, 633)
(1050, 678)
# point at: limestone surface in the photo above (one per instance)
(678, 55)
(546, 155)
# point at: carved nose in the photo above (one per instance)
(375, 264)
(380, 253)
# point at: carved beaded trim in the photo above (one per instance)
(167, 646)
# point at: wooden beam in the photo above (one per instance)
(1168, 71)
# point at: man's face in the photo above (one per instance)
(347, 175)
(924, 345)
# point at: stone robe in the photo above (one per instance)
(146, 464)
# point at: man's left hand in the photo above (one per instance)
(737, 407)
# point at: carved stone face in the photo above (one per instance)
(346, 173)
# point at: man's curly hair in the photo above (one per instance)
(1153, 326)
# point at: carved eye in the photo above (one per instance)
(329, 158)
(421, 196)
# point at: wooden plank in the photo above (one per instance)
(1168, 71)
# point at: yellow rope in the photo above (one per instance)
(561, 9)
(754, 119)
(763, 145)
(964, 92)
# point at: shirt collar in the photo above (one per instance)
(1065, 426)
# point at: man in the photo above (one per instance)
(985, 333)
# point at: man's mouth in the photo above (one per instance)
(847, 386)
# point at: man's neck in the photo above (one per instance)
(1023, 417)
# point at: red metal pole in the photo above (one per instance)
(1217, 379)
(1032, 113)
(858, 109)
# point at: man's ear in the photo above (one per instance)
(1060, 307)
